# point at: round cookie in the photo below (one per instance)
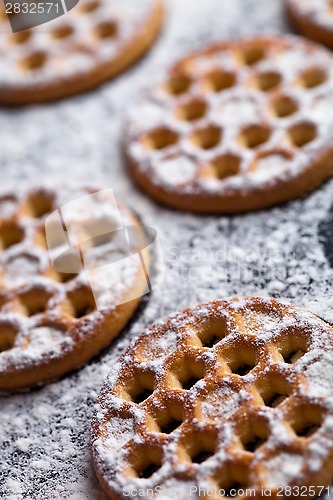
(313, 18)
(94, 42)
(237, 127)
(228, 396)
(55, 318)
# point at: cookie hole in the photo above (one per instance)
(149, 471)
(215, 339)
(108, 29)
(293, 356)
(275, 400)
(141, 387)
(274, 389)
(65, 277)
(88, 7)
(10, 234)
(202, 456)
(292, 347)
(178, 84)
(144, 460)
(284, 106)
(212, 332)
(145, 394)
(171, 426)
(241, 361)
(160, 139)
(233, 480)
(243, 369)
(207, 138)
(170, 417)
(8, 335)
(302, 134)
(81, 302)
(191, 111)
(35, 301)
(313, 77)
(34, 61)
(308, 430)
(189, 383)
(254, 136)
(226, 165)
(186, 372)
(198, 445)
(252, 55)
(21, 38)
(234, 490)
(267, 80)
(252, 434)
(62, 32)
(254, 444)
(306, 421)
(39, 204)
(217, 81)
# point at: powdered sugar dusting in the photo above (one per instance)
(78, 54)
(226, 115)
(220, 405)
(284, 341)
(124, 431)
(319, 11)
(176, 170)
(285, 468)
(275, 252)
(269, 167)
(319, 376)
(26, 263)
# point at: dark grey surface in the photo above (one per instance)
(44, 434)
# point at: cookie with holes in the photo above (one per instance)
(313, 18)
(228, 396)
(237, 127)
(70, 280)
(89, 45)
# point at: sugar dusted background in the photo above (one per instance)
(44, 434)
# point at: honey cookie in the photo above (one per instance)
(231, 396)
(55, 318)
(313, 18)
(237, 127)
(94, 42)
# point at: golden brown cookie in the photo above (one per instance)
(313, 18)
(49, 319)
(94, 42)
(225, 397)
(239, 126)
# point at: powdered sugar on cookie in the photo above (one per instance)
(254, 370)
(236, 118)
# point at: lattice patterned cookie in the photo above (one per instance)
(237, 127)
(49, 322)
(94, 42)
(313, 18)
(231, 395)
